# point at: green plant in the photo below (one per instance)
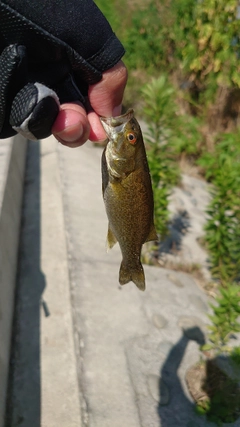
(223, 243)
(169, 135)
(222, 232)
(226, 153)
(159, 111)
(223, 224)
(224, 319)
(187, 136)
(159, 107)
(143, 39)
(235, 356)
(215, 39)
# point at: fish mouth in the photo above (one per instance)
(114, 125)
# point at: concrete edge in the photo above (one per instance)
(10, 222)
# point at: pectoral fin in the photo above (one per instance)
(111, 239)
(152, 234)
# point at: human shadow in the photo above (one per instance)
(23, 407)
(218, 387)
(175, 408)
(177, 228)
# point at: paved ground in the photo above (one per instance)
(88, 352)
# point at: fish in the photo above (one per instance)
(127, 194)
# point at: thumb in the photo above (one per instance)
(106, 96)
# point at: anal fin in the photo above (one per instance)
(111, 239)
(152, 234)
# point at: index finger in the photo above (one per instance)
(106, 99)
(106, 96)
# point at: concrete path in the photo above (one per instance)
(88, 352)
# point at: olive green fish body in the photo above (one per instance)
(127, 194)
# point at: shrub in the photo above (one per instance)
(224, 319)
(223, 224)
(159, 110)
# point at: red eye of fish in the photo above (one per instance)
(131, 138)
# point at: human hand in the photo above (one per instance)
(60, 69)
(74, 125)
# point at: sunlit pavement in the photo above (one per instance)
(88, 352)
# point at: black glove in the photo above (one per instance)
(49, 54)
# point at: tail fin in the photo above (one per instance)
(135, 275)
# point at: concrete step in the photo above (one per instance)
(43, 381)
(12, 167)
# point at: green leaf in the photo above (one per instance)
(206, 347)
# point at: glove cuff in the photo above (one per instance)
(34, 110)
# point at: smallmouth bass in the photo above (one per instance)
(127, 194)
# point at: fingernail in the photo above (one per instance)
(117, 110)
(66, 119)
(68, 127)
(71, 133)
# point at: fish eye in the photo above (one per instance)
(131, 138)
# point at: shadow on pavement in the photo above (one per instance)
(24, 391)
(177, 229)
(179, 409)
